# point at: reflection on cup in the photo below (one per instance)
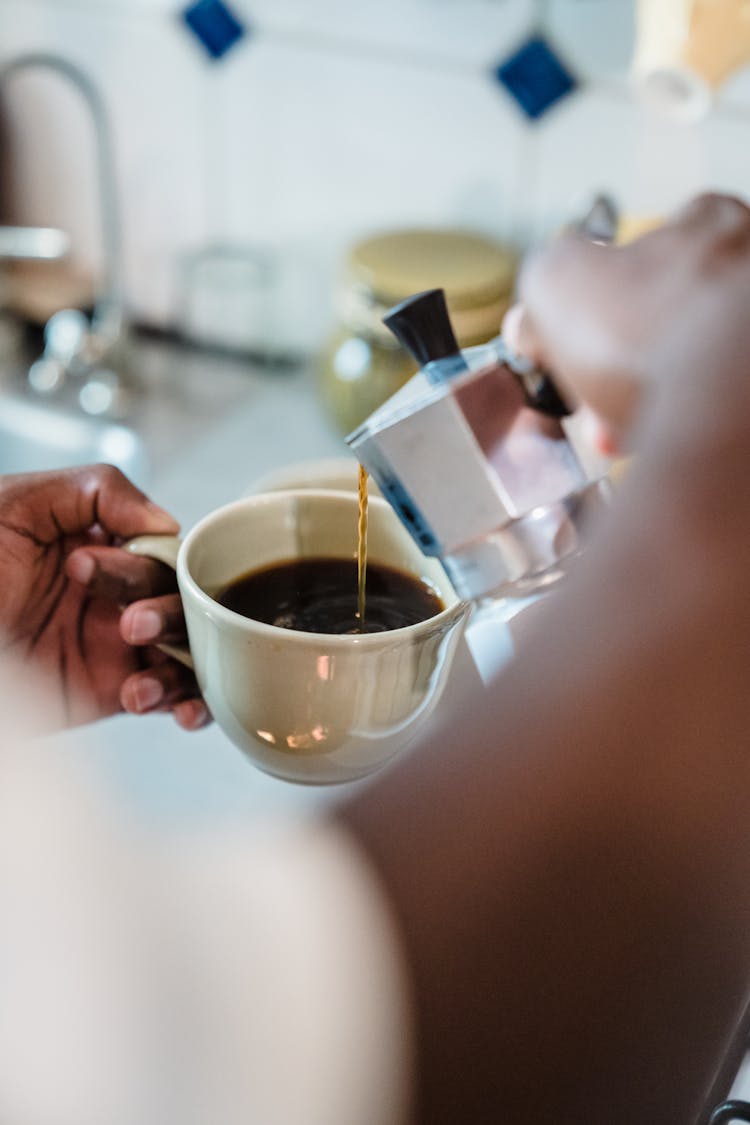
(309, 707)
(685, 50)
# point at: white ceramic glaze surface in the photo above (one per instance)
(309, 707)
(339, 474)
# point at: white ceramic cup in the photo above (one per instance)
(337, 474)
(308, 707)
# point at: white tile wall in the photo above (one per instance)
(357, 145)
(450, 33)
(335, 119)
(595, 36)
(598, 142)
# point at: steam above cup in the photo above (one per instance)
(308, 707)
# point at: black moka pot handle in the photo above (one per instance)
(729, 1112)
(422, 326)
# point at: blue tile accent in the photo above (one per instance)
(215, 26)
(535, 77)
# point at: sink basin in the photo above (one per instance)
(37, 435)
(179, 396)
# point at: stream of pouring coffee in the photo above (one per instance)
(361, 546)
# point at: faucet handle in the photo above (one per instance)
(38, 244)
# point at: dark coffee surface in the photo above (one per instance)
(319, 595)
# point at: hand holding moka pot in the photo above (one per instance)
(474, 457)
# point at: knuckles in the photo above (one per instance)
(715, 210)
(103, 475)
(719, 226)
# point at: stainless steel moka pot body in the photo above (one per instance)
(474, 456)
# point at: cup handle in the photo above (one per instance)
(163, 548)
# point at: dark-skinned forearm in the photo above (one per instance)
(571, 862)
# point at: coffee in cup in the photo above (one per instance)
(320, 595)
(305, 705)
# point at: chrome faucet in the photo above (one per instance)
(88, 350)
(24, 244)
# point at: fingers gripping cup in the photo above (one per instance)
(311, 707)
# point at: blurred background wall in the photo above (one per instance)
(334, 119)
